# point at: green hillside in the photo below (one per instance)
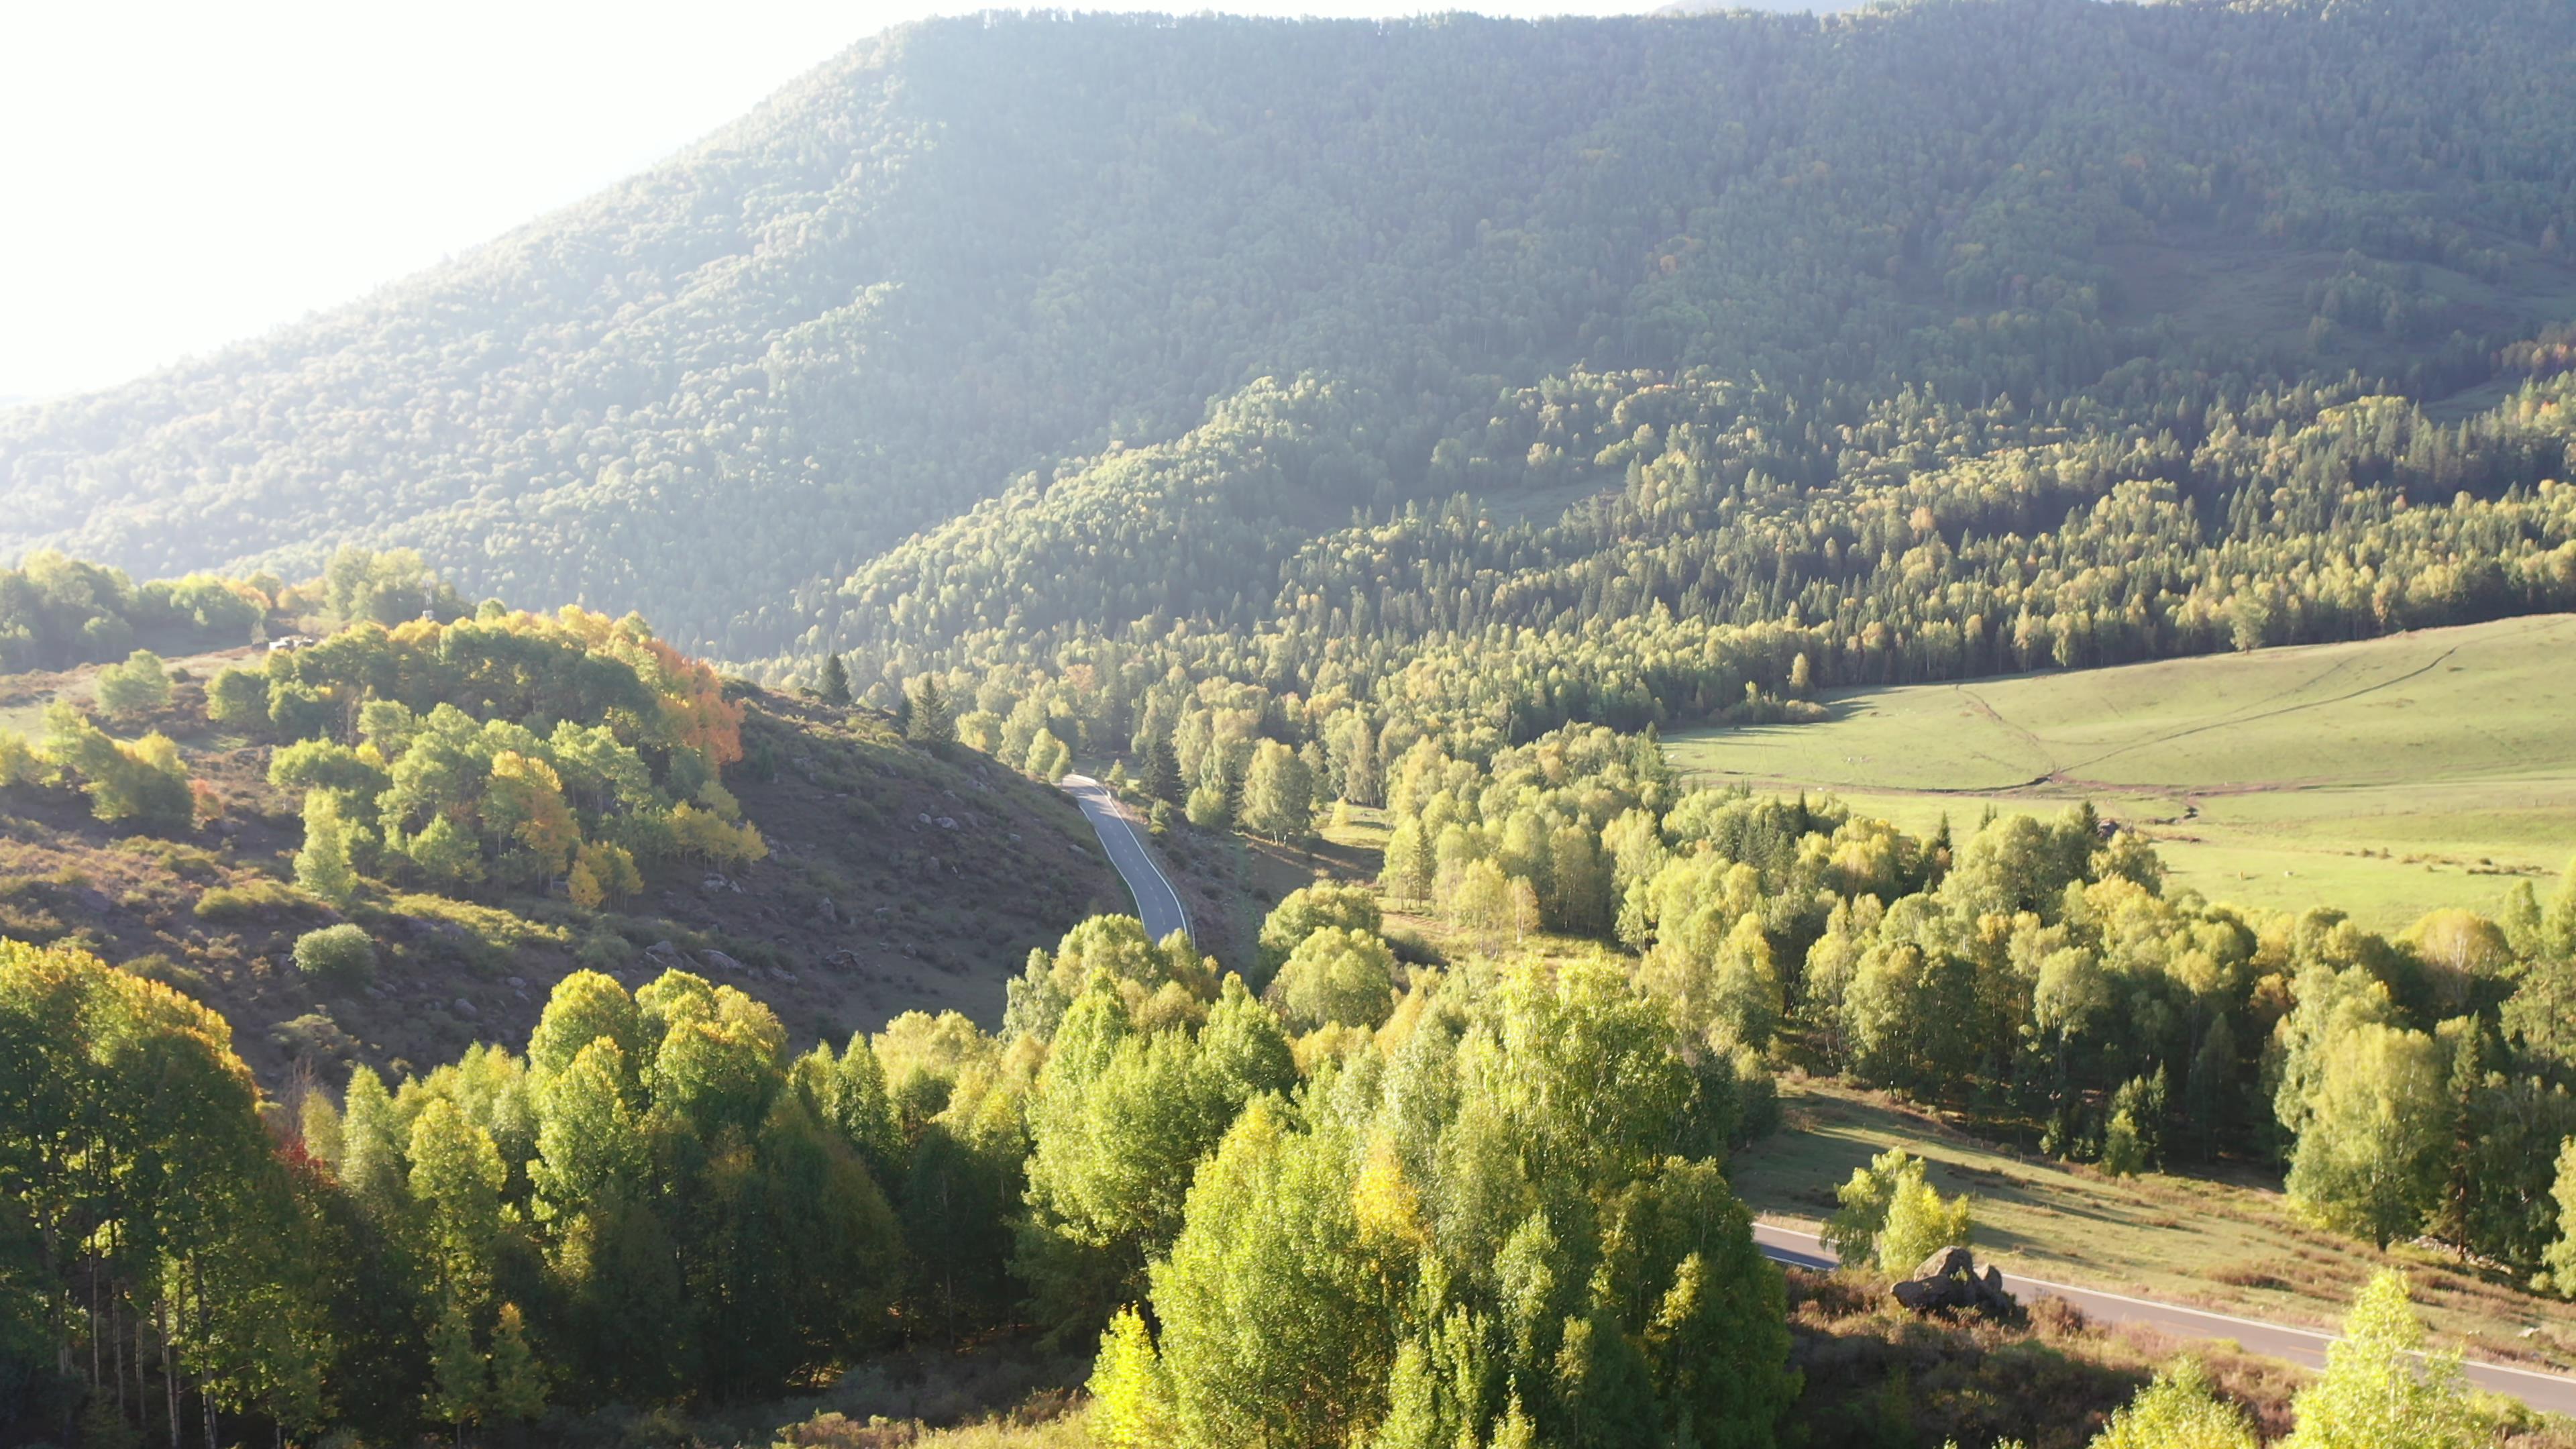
(2392, 776)
(1608, 557)
(971, 255)
(875, 883)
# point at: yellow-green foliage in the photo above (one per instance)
(143, 782)
(491, 925)
(602, 873)
(2379, 1390)
(453, 796)
(1891, 1216)
(230, 903)
(1131, 1398)
(1919, 1224)
(135, 688)
(2178, 1411)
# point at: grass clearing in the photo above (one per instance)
(2389, 777)
(2229, 1245)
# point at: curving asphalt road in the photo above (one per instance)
(1157, 904)
(2304, 1346)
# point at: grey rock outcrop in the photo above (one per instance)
(1948, 1282)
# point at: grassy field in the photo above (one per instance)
(2388, 777)
(2230, 1246)
(24, 697)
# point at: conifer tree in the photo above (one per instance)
(836, 681)
(518, 1383)
(930, 720)
(460, 1381)
(1163, 771)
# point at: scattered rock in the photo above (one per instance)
(828, 913)
(666, 955)
(1948, 1282)
(518, 983)
(924, 819)
(465, 1008)
(945, 823)
(719, 961)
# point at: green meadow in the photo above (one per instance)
(2389, 777)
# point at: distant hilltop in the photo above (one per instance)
(1776, 7)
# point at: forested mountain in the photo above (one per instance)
(1008, 258)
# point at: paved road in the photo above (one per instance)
(2298, 1345)
(1157, 904)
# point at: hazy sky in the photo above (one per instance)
(175, 177)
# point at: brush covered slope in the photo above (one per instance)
(388, 844)
(983, 250)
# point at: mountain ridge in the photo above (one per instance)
(972, 251)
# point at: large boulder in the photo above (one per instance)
(1948, 1282)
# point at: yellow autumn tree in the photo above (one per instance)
(524, 805)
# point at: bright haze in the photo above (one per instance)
(205, 173)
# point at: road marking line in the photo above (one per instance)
(2063, 1289)
(1092, 793)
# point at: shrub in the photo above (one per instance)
(603, 949)
(135, 688)
(602, 873)
(173, 974)
(336, 956)
(2180, 1410)
(1207, 807)
(314, 1037)
(2124, 1153)
(225, 903)
(239, 698)
(491, 929)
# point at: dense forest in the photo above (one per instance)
(1025, 248)
(1346, 1200)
